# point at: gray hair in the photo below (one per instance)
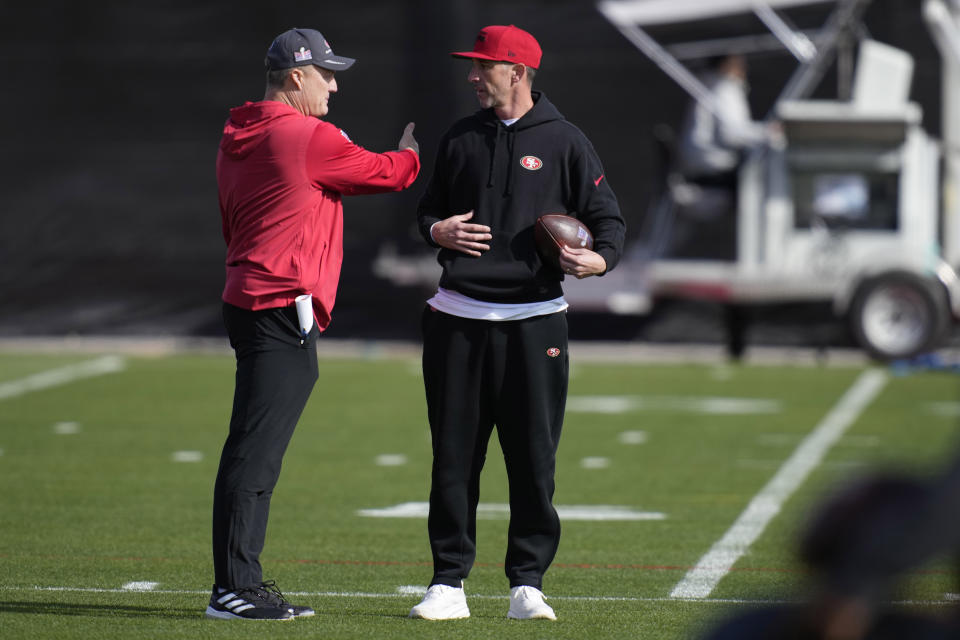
(276, 77)
(531, 74)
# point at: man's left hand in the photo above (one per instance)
(582, 263)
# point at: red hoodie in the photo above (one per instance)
(281, 175)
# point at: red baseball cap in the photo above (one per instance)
(504, 44)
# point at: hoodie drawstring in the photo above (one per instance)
(493, 155)
(511, 144)
(511, 139)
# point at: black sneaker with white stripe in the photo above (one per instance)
(272, 594)
(251, 603)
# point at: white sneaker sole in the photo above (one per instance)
(532, 616)
(454, 614)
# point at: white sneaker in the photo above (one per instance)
(526, 603)
(442, 603)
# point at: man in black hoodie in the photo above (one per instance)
(495, 334)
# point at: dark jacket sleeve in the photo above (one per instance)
(596, 204)
(435, 201)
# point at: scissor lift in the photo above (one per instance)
(852, 209)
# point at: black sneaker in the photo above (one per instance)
(273, 595)
(250, 603)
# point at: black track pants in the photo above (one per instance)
(275, 375)
(478, 374)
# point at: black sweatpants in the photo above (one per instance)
(477, 374)
(275, 374)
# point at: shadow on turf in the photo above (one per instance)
(95, 610)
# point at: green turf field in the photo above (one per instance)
(107, 472)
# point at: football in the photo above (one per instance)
(555, 230)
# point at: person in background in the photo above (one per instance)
(714, 138)
(712, 141)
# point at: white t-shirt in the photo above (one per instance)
(457, 304)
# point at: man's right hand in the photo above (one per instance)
(458, 234)
(407, 141)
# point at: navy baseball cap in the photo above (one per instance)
(298, 47)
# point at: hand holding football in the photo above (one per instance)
(554, 230)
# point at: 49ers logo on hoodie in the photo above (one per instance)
(531, 162)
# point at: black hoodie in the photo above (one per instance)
(509, 176)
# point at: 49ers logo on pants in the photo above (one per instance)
(531, 162)
(553, 352)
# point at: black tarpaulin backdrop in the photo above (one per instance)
(112, 113)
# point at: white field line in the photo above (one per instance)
(707, 404)
(399, 594)
(700, 581)
(140, 585)
(61, 376)
(489, 511)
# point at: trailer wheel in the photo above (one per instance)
(898, 315)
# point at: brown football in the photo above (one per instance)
(555, 230)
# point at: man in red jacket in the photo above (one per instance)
(281, 173)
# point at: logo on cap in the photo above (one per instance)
(303, 54)
(553, 352)
(531, 163)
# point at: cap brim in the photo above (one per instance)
(474, 54)
(335, 63)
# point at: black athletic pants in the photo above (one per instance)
(275, 374)
(478, 374)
